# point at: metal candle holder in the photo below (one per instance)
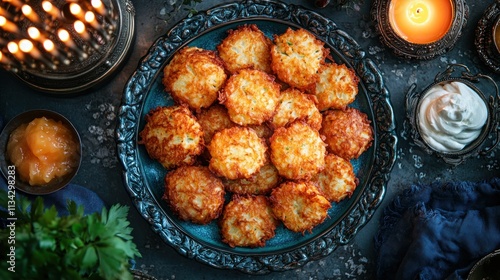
(405, 49)
(65, 46)
(485, 40)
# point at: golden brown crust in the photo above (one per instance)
(237, 153)
(194, 194)
(348, 133)
(297, 151)
(247, 221)
(213, 119)
(251, 97)
(173, 136)
(246, 47)
(299, 205)
(296, 57)
(296, 105)
(194, 77)
(337, 86)
(337, 181)
(261, 183)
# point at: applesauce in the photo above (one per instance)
(43, 150)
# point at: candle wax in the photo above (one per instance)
(421, 21)
(496, 35)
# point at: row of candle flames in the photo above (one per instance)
(46, 36)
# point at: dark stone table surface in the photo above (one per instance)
(94, 114)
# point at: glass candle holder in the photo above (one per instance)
(452, 117)
(487, 37)
(65, 47)
(419, 29)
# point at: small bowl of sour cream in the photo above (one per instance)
(452, 117)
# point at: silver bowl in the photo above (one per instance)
(486, 268)
(491, 127)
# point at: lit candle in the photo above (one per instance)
(421, 21)
(14, 50)
(8, 25)
(51, 9)
(77, 11)
(30, 14)
(90, 19)
(80, 29)
(27, 46)
(35, 34)
(49, 46)
(496, 35)
(16, 3)
(66, 39)
(4, 60)
(98, 6)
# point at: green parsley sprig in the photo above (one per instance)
(75, 246)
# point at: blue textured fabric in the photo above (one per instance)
(82, 196)
(438, 231)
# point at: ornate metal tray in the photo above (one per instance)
(144, 177)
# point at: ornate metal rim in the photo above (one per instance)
(385, 147)
(405, 49)
(90, 76)
(484, 40)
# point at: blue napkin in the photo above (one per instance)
(82, 196)
(438, 231)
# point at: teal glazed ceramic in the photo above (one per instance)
(144, 177)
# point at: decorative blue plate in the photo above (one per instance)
(144, 177)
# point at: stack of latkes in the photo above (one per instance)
(260, 134)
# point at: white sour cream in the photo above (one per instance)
(450, 116)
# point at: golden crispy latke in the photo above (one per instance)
(299, 205)
(337, 86)
(297, 151)
(251, 97)
(337, 181)
(194, 194)
(296, 57)
(246, 47)
(237, 153)
(296, 105)
(172, 135)
(213, 119)
(348, 132)
(194, 77)
(247, 221)
(261, 183)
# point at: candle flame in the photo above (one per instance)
(89, 17)
(7, 25)
(29, 13)
(63, 35)
(33, 32)
(97, 4)
(13, 47)
(47, 6)
(48, 45)
(79, 26)
(75, 9)
(25, 45)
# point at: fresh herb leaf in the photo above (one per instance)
(75, 246)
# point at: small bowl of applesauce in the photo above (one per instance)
(454, 116)
(41, 152)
